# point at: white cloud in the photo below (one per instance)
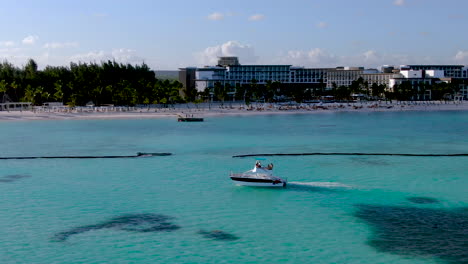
(7, 43)
(462, 56)
(370, 55)
(256, 17)
(216, 16)
(372, 58)
(318, 57)
(30, 40)
(59, 45)
(17, 57)
(322, 24)
(126, 56)
(8, 51)
(313, 58)
(399, 2)
(210, 55)
(119, 55)
(92, 56)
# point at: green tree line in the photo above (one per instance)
(105, 83)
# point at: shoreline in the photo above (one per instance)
(226, 109)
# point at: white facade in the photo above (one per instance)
(417, 78)
(377, 78)
(342, 77)
(411, 74)
(434, 74)
(450, 71)
(423, 73)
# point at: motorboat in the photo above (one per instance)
(189, 118)
(259, 177)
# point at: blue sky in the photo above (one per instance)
(171, 34)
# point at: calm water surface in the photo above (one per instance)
(184, 209)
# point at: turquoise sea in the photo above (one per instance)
(184, 209)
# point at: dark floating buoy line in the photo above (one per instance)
(350, 154)
(138, 155)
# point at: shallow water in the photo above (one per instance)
(336, 209)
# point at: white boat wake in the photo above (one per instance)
(321, 184)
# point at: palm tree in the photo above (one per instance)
(229, 90)
(3, 89)
(276, 87)
(15, 87)
(220, 92)
(58, 95)
(269, 91)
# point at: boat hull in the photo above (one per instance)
(190, 119)
(258, 182)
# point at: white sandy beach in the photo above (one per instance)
(227, 109)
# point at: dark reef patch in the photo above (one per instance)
(13, 178)
(133, 222)
(422, 200)
(218, 235)
(413, 231)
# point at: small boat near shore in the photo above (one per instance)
(258, 177)
(188, 118)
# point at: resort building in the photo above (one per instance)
(308, 75)
(450, 71)
(377, 78)
(6, 104)
(187, 77)
(15, 106)
(229, 71)
(388, 69)
(207, 77)
(344, 76)
(228, 61)
(244, 74)
(418, 79)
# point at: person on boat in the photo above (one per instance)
(270, 166)
(258, 164)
